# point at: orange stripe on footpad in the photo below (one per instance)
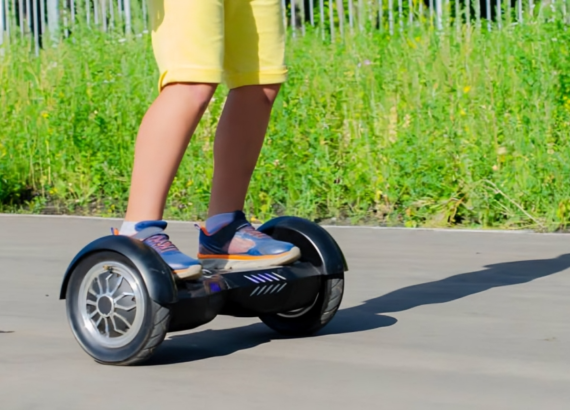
(240, 257)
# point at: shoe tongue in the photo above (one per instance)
(148, 232)
(146, 229)
(150, 224)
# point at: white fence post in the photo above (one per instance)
(361, 15)
(111, 15)
(103, 6)
(488, 4)
(458, 17)
(6, 18)
(2, 26)
(381, 15)
(400, 15)
(283, 13)
(42, 17)
(340, 13)
(391, 16)
(36, 26)
(293, 20)
(322, 19)
(350, 15)
(53, 19)
(303, 16)
(331, 18)
(128, 24)
(145, 17)
(29, 17)
(438, 11)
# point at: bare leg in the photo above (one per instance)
(163, 138)
(239, 139)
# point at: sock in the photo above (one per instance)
(128, 228)
(216, 222)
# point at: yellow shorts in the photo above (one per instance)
(236, 42)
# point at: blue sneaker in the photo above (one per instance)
(152, 234)
(239, 245)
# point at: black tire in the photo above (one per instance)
(131, 333)
(309, 320)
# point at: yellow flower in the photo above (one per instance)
(466, 89)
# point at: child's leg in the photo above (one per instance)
(187, 39)
(162, 140)
(254, 62)
(239, 139)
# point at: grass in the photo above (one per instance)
(418, 129)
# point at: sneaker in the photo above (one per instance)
(152, 234)
(239, 245)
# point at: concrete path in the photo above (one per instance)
(430, 320)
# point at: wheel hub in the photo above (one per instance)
(111, 304)
(105, 306)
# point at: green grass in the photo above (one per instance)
(414, 130)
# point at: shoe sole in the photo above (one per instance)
(229, 264)
(192, 273)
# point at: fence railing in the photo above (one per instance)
(40, 19)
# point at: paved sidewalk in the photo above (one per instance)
(430, 320)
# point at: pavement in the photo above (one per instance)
(430, 320)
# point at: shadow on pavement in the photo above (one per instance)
(370, 315)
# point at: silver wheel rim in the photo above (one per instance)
(111, 304)
(298, 312)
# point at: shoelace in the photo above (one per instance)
(161, 242)
(254, 232)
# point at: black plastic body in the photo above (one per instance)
(244, 294)
(248, 293)
(156, 273)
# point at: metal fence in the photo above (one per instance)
(38, 20)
